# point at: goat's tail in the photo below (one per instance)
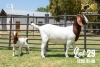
(34, 25)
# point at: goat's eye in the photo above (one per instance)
(83, 21)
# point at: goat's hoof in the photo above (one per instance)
(28, 52)
(19, 55)
(43, 56)
(76, 56)
(66, 56)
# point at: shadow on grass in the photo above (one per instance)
(4, 48)
(21, 54)
(59, 55)
(56, 55)
(63, 55)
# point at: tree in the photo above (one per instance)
(3, 13)
(59, 7)
(54, 7)
(98, 6)
(94, 7)
(43, 9)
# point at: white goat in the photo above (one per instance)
(61, 35)
(20, 42)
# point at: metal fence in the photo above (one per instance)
(63, 22)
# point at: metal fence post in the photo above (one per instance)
(85, 38)
(65, 26)
(65, 20)
(46, 22)
(10, 31)
(33, 27)
(27, 26)
(46, 18)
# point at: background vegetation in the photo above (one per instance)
(73, 7)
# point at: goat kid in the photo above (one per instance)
(61, 35)
(20, 42)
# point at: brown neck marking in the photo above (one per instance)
(80, 21)
(76, 29)
(15, 38)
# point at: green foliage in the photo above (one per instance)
(98, 6)
(42, 9)
(87, 1)
(94, 7)
(98, 1)
(60, 7)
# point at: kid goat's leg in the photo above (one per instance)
(20, 50)
(27, 46)
(13, 50)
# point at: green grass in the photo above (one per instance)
(54, 58)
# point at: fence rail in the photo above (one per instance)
(46, 20)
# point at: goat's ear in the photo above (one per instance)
(79, 21)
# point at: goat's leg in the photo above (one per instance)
(13, 50)
(76, 50)
(20, 50)
(74, 46)
(27, 46)
(43, 46)
(43, 49)
(44, 43)
(46, 48)
(69, 42)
